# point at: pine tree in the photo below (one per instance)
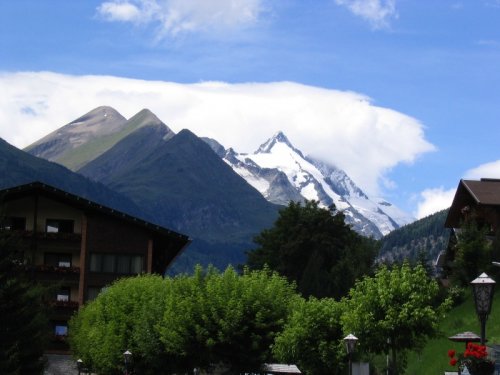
(315, 248)
(473, 252)
(23, 319)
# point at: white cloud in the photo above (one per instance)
(434, 200)
(377, 12)
(181, 16)
(344, 128)
(487, 170)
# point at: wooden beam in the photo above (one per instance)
(83, 262)
(149, 267)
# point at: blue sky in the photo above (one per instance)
(433, 63)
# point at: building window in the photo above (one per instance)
(59, 226)
(95, 262)
(116, 263)
(63, 295)
(57, 259)
(13, 223)
(61, 328)
(108, 263)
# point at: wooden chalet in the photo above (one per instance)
(478, 197)
(81, 246)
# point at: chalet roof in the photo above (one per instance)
(86, 204)
(484, 192)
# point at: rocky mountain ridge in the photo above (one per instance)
(106, 147)
(89, 136)
(179, 181)
(281, 173)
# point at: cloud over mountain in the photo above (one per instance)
(340, 127)
(433, 200)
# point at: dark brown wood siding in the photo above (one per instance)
(106, 235)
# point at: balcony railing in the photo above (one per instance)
(47, 235)
(64, 304)
(48, 273)
(56, 269)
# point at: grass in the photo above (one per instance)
(433, 358)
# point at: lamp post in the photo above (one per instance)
(79, 365)
(127, 356)
(350, 344)
(387, 356)
(483, 288)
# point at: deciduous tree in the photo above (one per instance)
(176, 324)
(123, 317)
(312, 338)
(393, 312)
(227, 319)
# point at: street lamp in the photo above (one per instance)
(127, 356)
(350, 342)
(483, 288)
(79, 365)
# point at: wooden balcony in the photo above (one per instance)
(45, 235)
(46, 273)
(69, 305)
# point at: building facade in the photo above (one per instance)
(474, 199)
(78, 247)
(480, 198)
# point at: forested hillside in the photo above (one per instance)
(422, 239)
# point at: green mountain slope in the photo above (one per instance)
(188, 188)
(89, 136)
(423, 238)
(18, 167)
(127, 154)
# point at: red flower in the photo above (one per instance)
(474, 357)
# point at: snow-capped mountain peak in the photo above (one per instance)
(282, 173)
(276, 139)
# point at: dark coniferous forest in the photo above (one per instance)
(422, 239)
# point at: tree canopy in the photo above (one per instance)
(122, 317)
(312, 338)
(472, 252)
(395, 311)
(315, 248)
(176, 324)
(24, 324)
